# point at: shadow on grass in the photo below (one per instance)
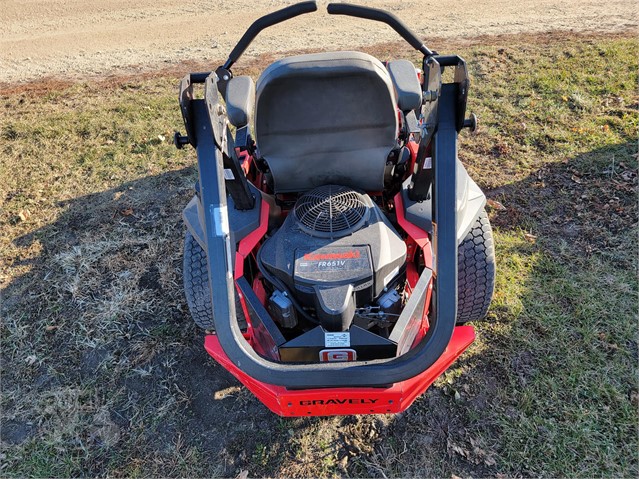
(102, 368)
(558, 358)
(104, 373)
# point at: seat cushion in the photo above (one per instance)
(326, 118)
(407, 86)
(240, 100)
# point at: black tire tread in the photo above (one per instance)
(475, 271)
(196, 286)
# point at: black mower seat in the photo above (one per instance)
(326, 118)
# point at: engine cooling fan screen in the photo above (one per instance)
(331, 211)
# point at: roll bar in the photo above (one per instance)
(219, 248)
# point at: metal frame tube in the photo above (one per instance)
(370, 373)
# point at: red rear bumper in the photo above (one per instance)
(344, 401)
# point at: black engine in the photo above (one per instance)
(335, 252)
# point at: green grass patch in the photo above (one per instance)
(91, 192)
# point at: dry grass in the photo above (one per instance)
(104, 374)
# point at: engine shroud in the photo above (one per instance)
(335, 251)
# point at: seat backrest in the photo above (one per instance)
(326, 118)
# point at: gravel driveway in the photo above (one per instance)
(77, 38)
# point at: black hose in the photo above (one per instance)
(282, 287)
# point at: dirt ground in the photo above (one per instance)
(79, 38)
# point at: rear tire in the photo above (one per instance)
(475, 271)
(196, 286)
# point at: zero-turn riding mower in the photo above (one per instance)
(335, 245)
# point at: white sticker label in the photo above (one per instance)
(220, 220)
(337, 340)
(228, 174)
(428, 163)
